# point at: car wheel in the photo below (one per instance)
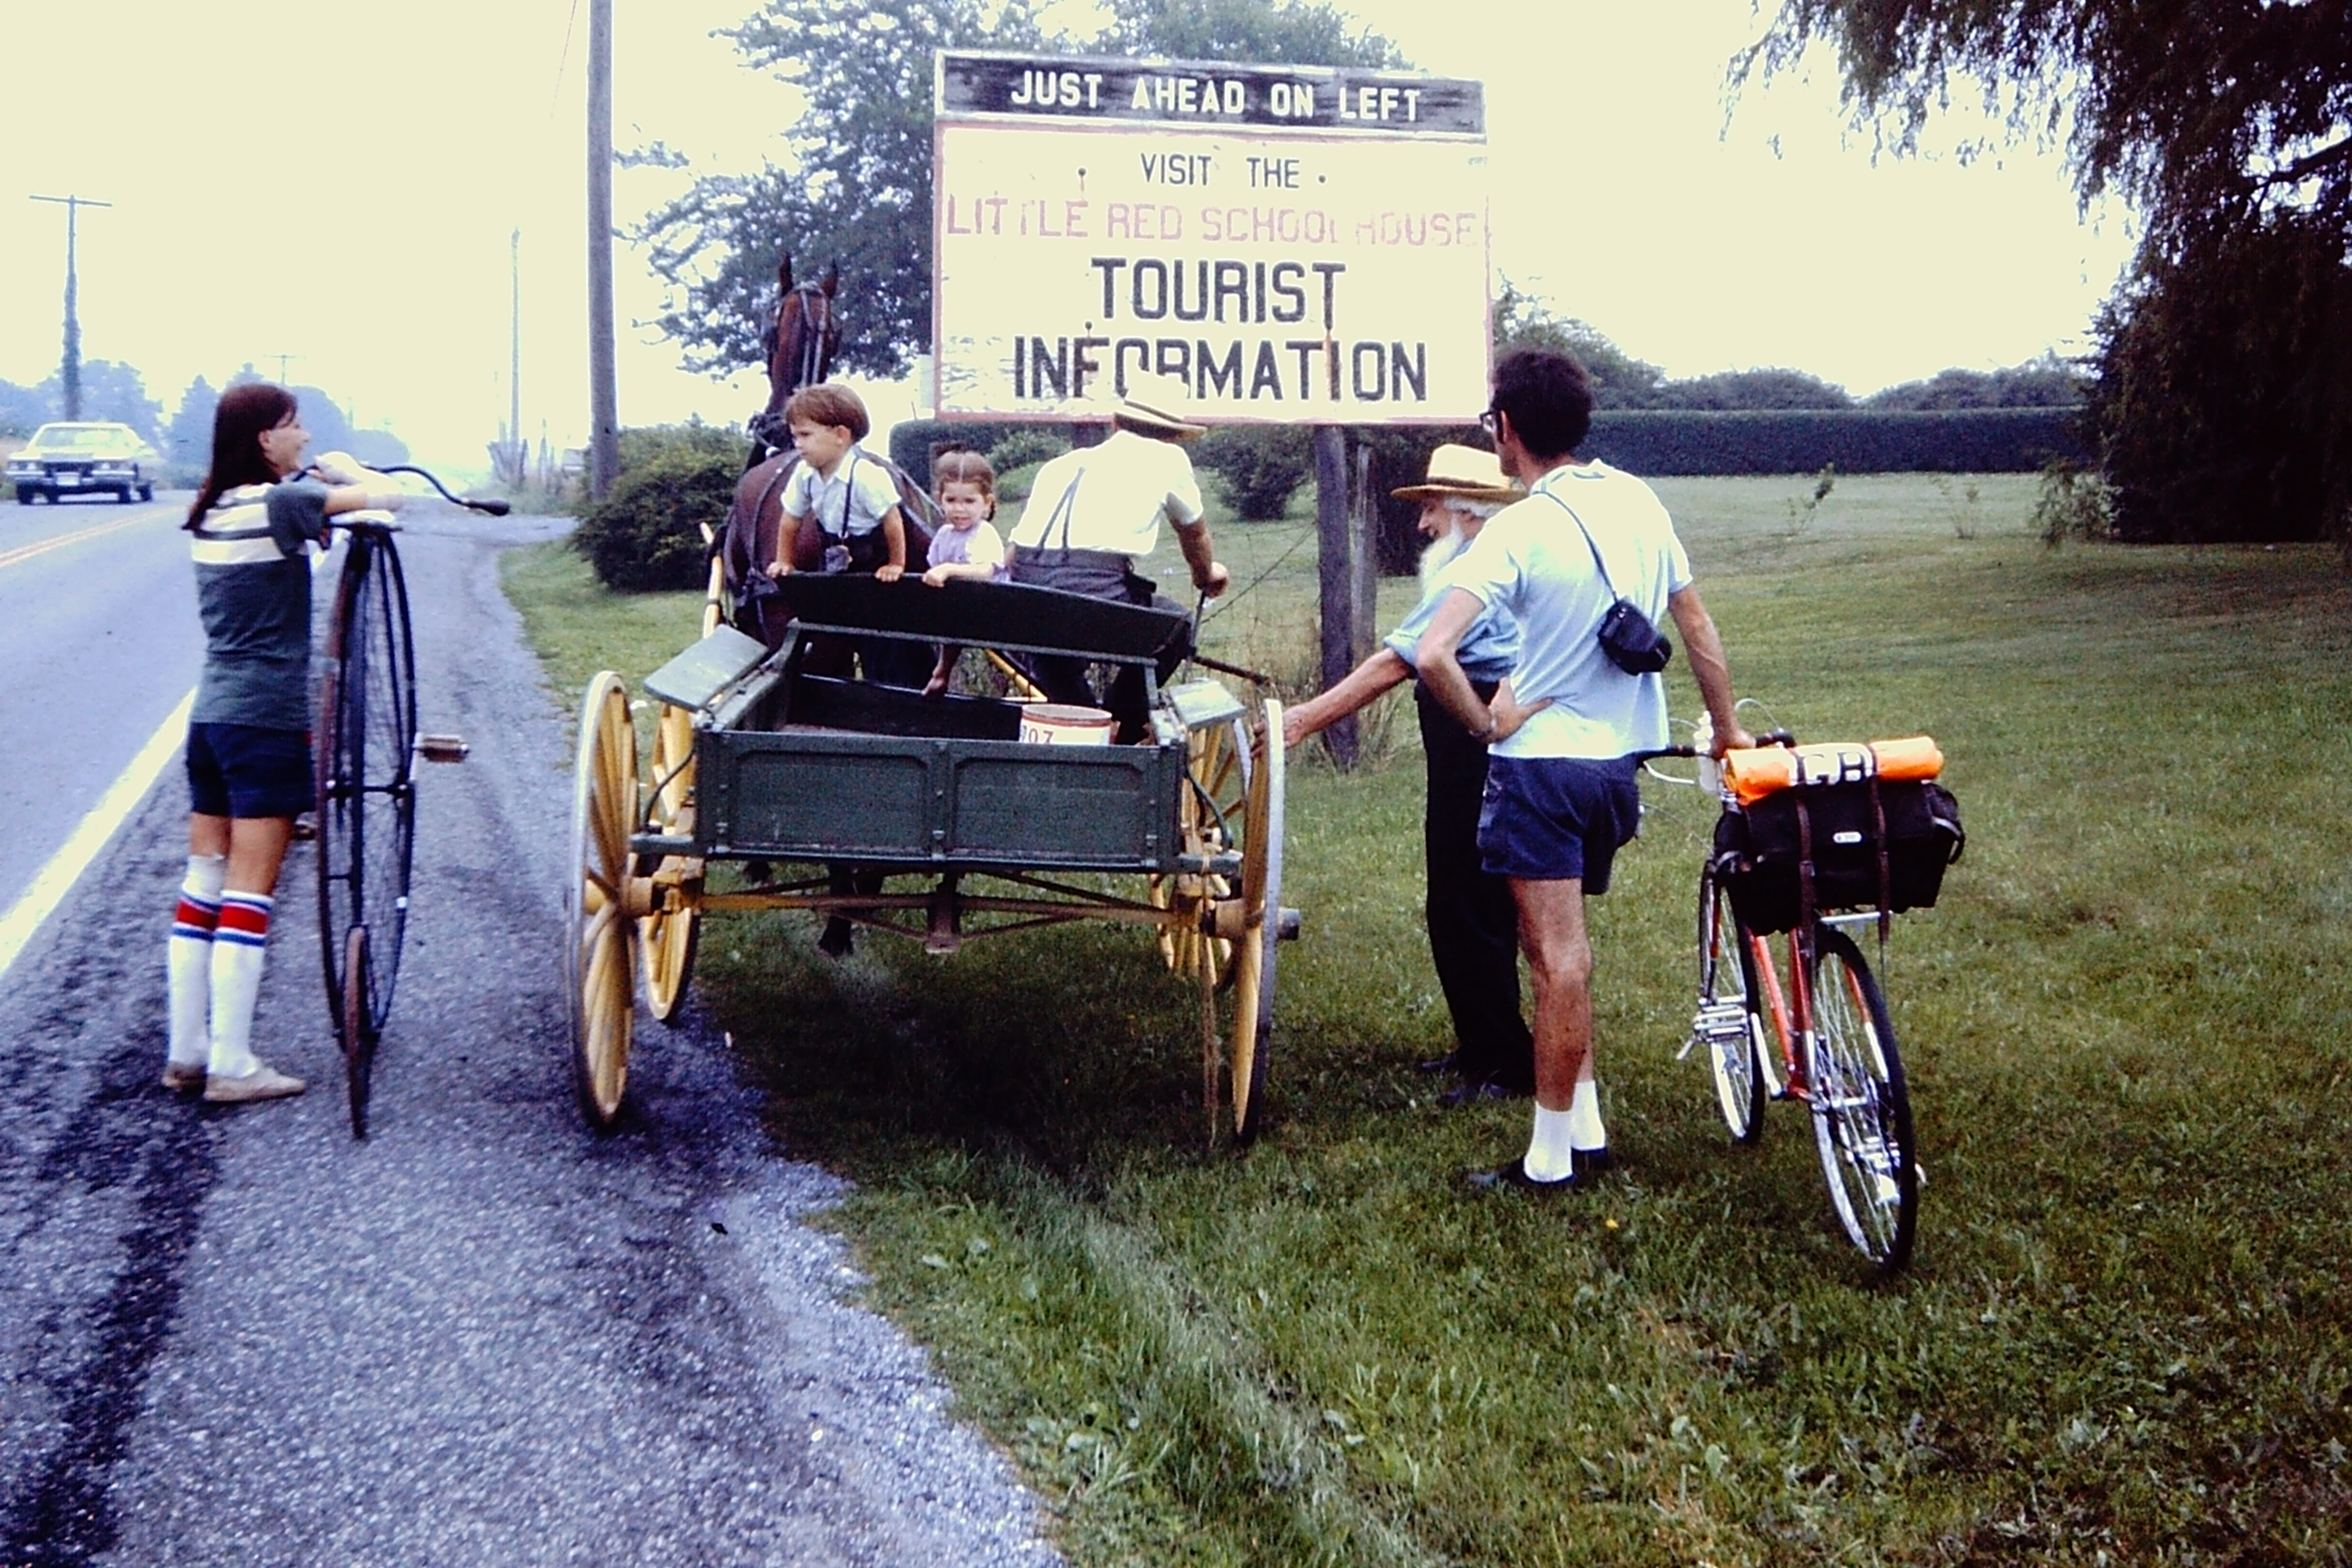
(25, 494)
(147, 492)
(123, 495)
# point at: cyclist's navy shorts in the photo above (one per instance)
(1551, 819)
(241, 770)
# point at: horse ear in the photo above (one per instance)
(784, 272)
(832, 284)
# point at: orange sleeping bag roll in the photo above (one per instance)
(1756, 772)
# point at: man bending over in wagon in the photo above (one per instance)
(1092, 511)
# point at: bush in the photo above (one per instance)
(1652, 442)
(647, 533)
(1028, 445)
(1262, 465)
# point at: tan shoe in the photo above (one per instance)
(181, 1078)
(264, 1082)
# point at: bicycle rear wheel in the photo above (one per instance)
(1728, 1025)
(365, 739)
(1861, 1107)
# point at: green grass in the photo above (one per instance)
(2124, 1340)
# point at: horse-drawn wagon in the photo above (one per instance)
(927, 816)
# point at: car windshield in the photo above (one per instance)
(80, 438)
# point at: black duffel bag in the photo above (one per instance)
(1870, 844)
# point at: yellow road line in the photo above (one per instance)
(42, 546)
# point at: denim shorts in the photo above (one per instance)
(1552, 820)
(243, 770)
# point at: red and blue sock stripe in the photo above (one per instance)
(243, 919)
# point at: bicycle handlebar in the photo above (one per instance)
(489, 506)
(1769, 738)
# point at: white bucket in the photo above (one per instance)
(1060, 724)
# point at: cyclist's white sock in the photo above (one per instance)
(1548, 1158)
(1584, 1128)
(188, 968)
(238, 946)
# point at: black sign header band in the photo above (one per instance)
(1065, 89)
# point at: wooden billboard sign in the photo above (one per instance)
(1300, 245)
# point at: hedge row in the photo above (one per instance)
(1858, 440)
(1672, 441)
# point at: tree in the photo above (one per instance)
(109, 390)
(24, 409)
(1769, 388)
(2045, 382)
(188, 439)
(1619, 380)
(859, 188)
(2228, 124)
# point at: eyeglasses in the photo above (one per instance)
(1490, 421)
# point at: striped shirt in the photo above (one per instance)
(253, 592)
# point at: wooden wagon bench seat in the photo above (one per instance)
(1017, 616)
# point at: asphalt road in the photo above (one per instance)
(98, 642)
(233, 1335)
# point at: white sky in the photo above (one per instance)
(336, 181)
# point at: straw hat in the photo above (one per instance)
(1461, 473)
(1153, 406)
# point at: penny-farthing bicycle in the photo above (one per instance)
(365, 748)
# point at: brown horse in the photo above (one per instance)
(800, 345)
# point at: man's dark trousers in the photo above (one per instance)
(1474, 926)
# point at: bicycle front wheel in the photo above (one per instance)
(1861, 1107)
(365, 740)
(1728, 1026)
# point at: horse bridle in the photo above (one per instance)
(810, 358)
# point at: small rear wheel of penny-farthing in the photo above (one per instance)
(359, 1028)
(600, 956)
(1252, 919)
(668, 933)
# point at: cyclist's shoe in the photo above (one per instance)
(264, 1082)
(838, 940)
(1590, 1163)
(1449, 1062)
(1513, 1174)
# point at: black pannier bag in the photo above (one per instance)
(1870, 844)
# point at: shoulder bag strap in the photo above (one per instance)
(1597, 562)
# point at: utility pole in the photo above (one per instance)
(283, 360)
(603, 414)
(70, 372)
(514, 375)
(1346, 573)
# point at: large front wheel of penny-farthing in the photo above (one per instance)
(668, 933)
(600, 954)
(1258, 929)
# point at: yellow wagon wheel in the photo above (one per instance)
(1216, 763)
(668, 933)
(599, 953)
(1254, 920)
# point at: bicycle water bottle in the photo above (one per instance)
(1710, 772)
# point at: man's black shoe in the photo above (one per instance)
(1590, 1163)
(1449, 1062)
(1515, 1174)
(1478, 1093)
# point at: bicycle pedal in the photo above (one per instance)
(443, 748)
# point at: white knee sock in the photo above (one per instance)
(1548, 1158)
(188, 967)
(1584, 1128)
(238, 944)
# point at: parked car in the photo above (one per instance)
(83, 459)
